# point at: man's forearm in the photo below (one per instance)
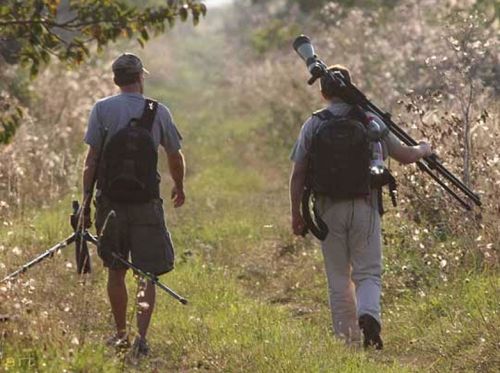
(88, 183)
(89, 176)
(407, 154)
(297, 181)
(176, 166)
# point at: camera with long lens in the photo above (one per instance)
(305, 50)
(319, 69)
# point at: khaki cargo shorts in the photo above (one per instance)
(138, 231)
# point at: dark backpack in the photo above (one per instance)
(128, 165)
(340, 156)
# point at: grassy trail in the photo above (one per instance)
(257, 295)
(225, 238)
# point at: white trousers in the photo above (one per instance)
(353, 262)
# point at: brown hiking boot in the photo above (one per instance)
(371, 332)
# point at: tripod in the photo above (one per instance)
(83, 266)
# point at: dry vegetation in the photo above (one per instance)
(43, 161)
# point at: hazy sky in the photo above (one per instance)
(217, 2)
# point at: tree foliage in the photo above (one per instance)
(314, 5)
(32, 32)
(11, 117)
(54, 28)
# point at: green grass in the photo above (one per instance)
(222, 329)
(232, 324)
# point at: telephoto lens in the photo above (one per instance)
(303, 47)
(305, 50)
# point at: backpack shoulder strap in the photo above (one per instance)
(148, 115)
(358, 114)
(324, 114)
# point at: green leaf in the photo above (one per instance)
(34, 68)
(45, 56)
(203, 9)
(183, 13)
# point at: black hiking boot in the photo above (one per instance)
(371, 332)
(140, 348)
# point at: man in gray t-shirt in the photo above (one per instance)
(111, 114)
(139, 229)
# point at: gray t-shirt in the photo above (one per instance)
(113, 113)
(301, 148)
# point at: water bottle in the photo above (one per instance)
(374, 129)
(377, 165)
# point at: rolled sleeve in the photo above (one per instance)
(171, 138)
(93, 136)
(301, 148)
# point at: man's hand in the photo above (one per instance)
(84, 220)
(298, 225)
(425, 149)
(178, 197)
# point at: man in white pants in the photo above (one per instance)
(352, 248)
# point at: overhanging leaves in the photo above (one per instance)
(33, 32)
(66, 29)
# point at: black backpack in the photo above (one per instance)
(340, 156)
(128, 165)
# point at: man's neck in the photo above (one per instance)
(132, 88)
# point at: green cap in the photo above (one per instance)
(128, 63)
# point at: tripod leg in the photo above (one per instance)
(47, 254)
(83, 264)
(424, 168)
(152, 278)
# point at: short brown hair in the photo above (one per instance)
(123, 78)
(328, 89)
